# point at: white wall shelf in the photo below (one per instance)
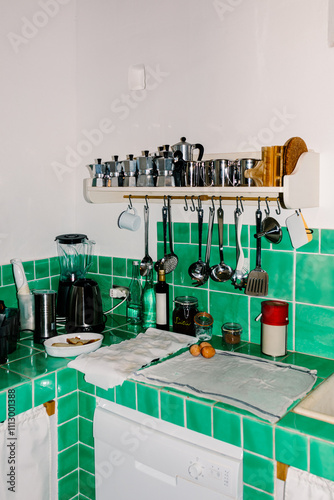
(300, 189)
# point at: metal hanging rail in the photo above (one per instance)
(203, 197)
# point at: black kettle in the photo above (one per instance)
(85, 313)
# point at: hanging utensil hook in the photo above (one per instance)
(185, 208)
(278, 209)
(241, 204)
(165, 200)
(130, 202)
(220, 202)
(193, 204)
(213, 203)
(199, 202)
(259, 203)
(146, 202)
(267, 209)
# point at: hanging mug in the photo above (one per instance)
(129, 219)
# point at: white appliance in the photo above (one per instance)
(140, 457)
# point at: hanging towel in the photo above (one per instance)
(110, 366)
(264, 387)
(25, 456)
(301, 485)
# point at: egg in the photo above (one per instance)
(203, 344)
(195, 350)
(208, 351)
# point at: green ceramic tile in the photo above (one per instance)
(109, 394)
(312, 246)
(226, 426)
(254, 494)
(327, 241)
(258, 437)
(41, 284)
(86, 431)
(19, 399)
(126, 394)
(9, 379)
(67, 381)
(279, 266)
(258, 472)
(87, 404)
(119, 267)
(314, 330)
(8, 295)
(68, 486)
(85, 386)
(67, 434)
(21, 352)
(44, 389)
(321, 459)
(285, 243)
(324, 367)
(7, 275)
(309, 426)
(86, 458)
(29, 269)
(105, 265)
(38, 364)
(291, 448)
(68, 460)
(172, 408)
(67, 407)
(148, 400)
(54, 266)
(198, 417)
(94, 266)
(314, 278)
(3, 406)
(181, 232)
(42, 268)
(87, 484)
(228, 307)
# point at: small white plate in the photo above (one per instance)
(72, 350)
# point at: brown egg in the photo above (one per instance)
(203, 344)
(195, 350)
(208, 351)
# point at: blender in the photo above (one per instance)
(75, 259)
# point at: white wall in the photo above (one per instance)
(234, 75)
(37, 88)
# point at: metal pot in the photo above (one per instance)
(187, 149)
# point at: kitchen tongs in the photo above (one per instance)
(257, 283)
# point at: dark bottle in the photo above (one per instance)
(162, 301)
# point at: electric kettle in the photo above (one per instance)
(187, 149)
(85, 313)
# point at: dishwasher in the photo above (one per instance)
(138, 456)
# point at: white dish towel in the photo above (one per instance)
(301, 485)
(110, 366)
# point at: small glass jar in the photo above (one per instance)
(183, 314)
(231, 333)
(203, 326)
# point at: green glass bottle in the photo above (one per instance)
(134, 302)
(148, 302)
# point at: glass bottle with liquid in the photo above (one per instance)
(162, 301)
(134, 302)
(149, 302)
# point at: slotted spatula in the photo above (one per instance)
(258, 279)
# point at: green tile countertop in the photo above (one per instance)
(295, 440)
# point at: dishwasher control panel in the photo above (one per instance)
(218, 476)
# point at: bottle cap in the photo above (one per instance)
(275, 312)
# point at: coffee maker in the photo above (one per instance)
(75, 259)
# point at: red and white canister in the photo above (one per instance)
(275, 320)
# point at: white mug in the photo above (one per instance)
(128, 220)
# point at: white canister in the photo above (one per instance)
(274, 320)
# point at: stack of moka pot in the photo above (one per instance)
(180, 165)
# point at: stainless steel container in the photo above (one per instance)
(45, 315)
(223, 172)
(244, 165)
(192, 176)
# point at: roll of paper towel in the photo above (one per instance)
(301, 485)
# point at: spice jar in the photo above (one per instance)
(183, 314)
(231, 333)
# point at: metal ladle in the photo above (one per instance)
(147, 261)
(196, 269)
(204, 274)
(171, 259)
(221, 272)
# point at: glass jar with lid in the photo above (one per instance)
(183, 314)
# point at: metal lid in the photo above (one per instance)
(71, 239)
(186, 300)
